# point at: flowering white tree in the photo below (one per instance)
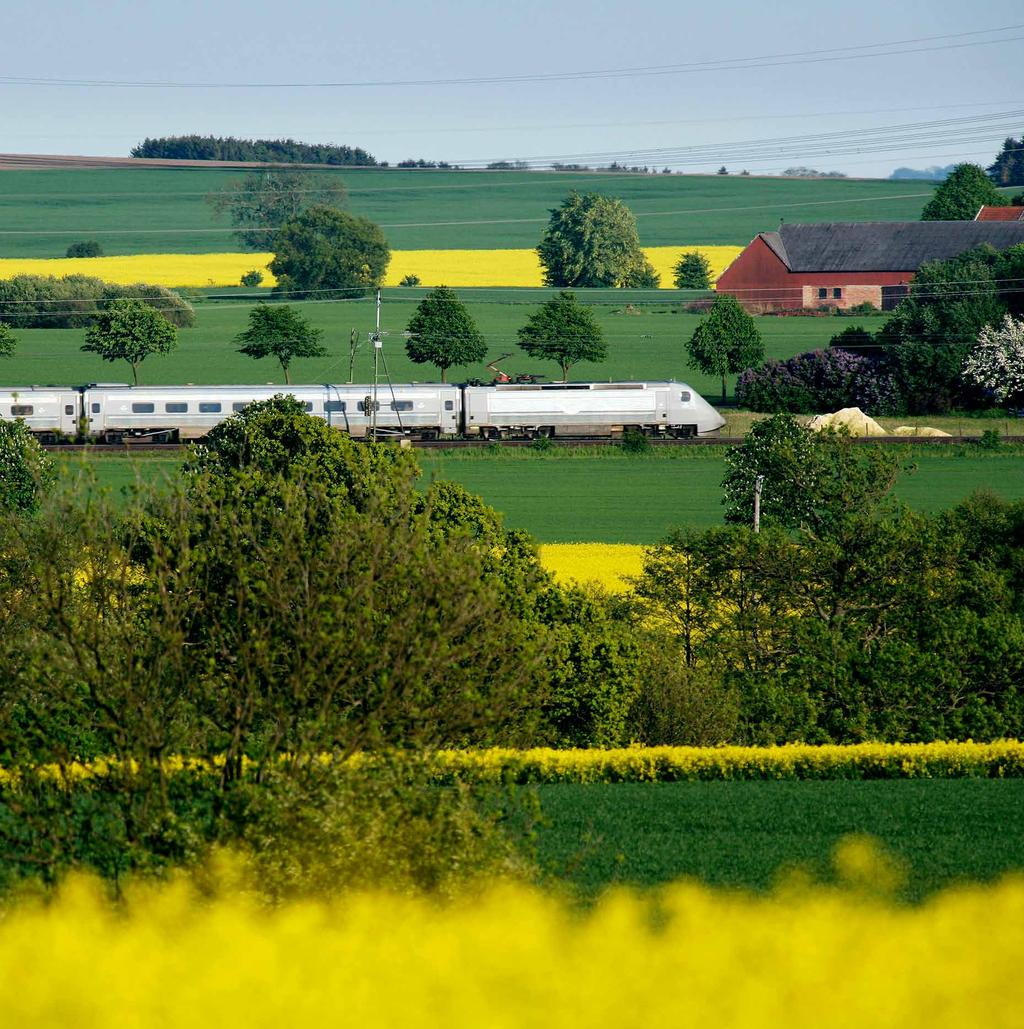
(997, 361)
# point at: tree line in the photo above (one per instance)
(230, 148)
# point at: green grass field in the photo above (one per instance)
(424, 210)
(645, 342)
(745, 834)
(613, 497)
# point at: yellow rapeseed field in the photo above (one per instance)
(155, 269)
(607, 564)
(513, 957)
(456, 268)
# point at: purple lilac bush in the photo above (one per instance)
(821, 380)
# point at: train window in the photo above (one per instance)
(143, 408)
(334, 405)
(685, 396)
(209, 407)
(176, 408)
(363, 406)
(449, 405)
(239, 405)
(69, 409)
(21, 410)
(401, 405)
(308, 405)
(95, 408)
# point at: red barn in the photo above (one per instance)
(843, 264)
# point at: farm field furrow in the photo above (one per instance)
(145, 211)
(616, 498)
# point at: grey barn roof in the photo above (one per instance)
(884, 246)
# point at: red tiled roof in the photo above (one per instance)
(1000, 214)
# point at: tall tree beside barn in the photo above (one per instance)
(964, 192)
(726, 342)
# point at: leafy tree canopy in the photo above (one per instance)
(1008, 167)
(7, 341)
(692, 271)
(443, 332)
(263, 201)
(129, 330)
(727, 341)
(26, 470)
(279, 331)
(960, 196)
(812, 480)
(277, 437)
(591, 240)
(87, 248)
(563, 330)
(325, 250)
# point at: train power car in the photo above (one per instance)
(587, 409)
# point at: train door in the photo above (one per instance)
(661, 403)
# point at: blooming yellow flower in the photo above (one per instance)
(607, 564)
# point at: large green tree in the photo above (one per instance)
(727, 341)
(443, 333)
(130, 330)
(279, 331)
(958, 198)
(591, 240)
(565, 331)
(263, 201)
(323, 250)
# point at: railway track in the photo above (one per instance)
(125, 449)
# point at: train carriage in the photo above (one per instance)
(51, 412)
(165, 413)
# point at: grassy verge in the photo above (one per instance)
(746, 834)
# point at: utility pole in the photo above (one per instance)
(353, 346)
(378, 344)
(758, 486)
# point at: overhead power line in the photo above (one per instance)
(889, 48)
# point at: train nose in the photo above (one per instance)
(708, 418)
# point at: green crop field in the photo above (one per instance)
(613, 497)
(745, 834)
(644, 342)
(42, 212)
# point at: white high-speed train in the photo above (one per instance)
(111, 413)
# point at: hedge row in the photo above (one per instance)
(1002, 759)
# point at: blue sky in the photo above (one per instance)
(653, 116)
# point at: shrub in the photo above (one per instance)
(634, 442)
(252, 278)
(74, 301)
(26, 471)
(410, 280)
(87, 248)
(680, 706)
(822, 380)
